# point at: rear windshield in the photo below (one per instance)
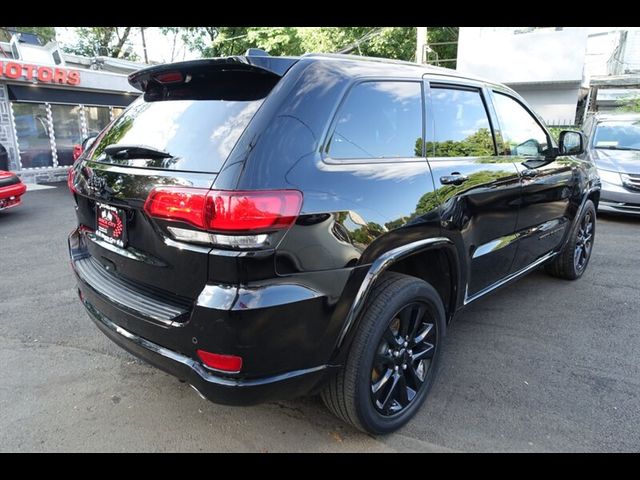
(196, 135)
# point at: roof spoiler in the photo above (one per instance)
(261, 64)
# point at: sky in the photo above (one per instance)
(159, 47)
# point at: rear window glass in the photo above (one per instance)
(197, 134)
(379, 119)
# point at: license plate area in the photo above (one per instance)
(111, 224)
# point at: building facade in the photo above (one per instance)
(50, 101)
(563, 72)
(544, 65)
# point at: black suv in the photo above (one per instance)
(267, 227)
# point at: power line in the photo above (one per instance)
(365, 38)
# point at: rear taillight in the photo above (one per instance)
(226, 211)
(224, 363)
(180, 204)
(71, 180)
(252, 211)
(234, 218)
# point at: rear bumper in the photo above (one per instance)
(10, 195)
(213, 387)
(281, 333)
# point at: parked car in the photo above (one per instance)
(11, 190)
(268, 227)
(614, 146)
(78, 148)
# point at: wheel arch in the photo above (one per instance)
(399, 260)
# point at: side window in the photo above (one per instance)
(461, 124)
(379, 120)
(521, 132)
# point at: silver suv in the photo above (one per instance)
(614, 146)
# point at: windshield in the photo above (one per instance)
(618, 135)
(196, 135)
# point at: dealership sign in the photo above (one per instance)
(39, 73)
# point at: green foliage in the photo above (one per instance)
(477, 144)
(555, 131)
(389, 42)
(630, 103)
(108, 41)
(445, 52)
(45, 34)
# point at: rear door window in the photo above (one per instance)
(379, 120)
(197, 134)
(461, 124)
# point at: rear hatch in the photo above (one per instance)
(178, 134)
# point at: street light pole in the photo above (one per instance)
(144, 46)
(421, 41)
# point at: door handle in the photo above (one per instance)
(529, 173)
(456, 178)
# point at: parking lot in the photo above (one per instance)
(542, 365)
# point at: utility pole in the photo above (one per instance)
(420, 44)
(144, 46)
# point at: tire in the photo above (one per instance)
(572, 261)
(391, 306)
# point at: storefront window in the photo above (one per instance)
(33, 134)
(97, 119)
(116, 111)
(67, 131)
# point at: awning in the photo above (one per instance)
(28, 93)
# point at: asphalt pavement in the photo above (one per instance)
(541, 365)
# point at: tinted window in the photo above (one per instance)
(461, 124)
(617, 135)
(521, 133)
(198, 134)
(379, 120)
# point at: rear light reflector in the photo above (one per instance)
(251, 211)
(224, 363)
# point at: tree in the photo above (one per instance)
(391, 42)
(444, 52)
(46, 34)
(108, 41)
(388, 42)
(630, 103)
(197, 39)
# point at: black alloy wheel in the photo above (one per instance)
(403, 359)
(584, 241)
(393, 358)
(571, 262)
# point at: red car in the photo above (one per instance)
(11, 189)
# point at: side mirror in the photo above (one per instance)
(571, 143)
(530, 148)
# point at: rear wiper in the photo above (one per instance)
(135, 151)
